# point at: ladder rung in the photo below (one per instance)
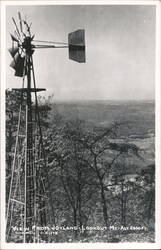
(29, 176)
(42, 196)
(30, 217)
(41, 160)
(30, 149)
(22, 135)
(31, 122)
(20, 202)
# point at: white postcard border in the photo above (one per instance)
(156, 245)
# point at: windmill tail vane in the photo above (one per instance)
(30, 203)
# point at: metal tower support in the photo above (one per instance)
(28, 195)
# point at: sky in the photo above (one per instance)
(120, 51)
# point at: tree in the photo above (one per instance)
(67, 157)
(97, 143)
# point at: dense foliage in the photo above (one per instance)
(102, 188)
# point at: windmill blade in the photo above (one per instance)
(13, 51)
(15, 60)
(18, 64)
(27, 27)
(19, 70)
(14, 38)
(16, 26)
(17, 36)
(76, 41)
(20, 19)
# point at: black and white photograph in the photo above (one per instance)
(80, 120)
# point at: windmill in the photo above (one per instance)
(30, 207)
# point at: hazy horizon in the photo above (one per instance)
(93, 100)
(104, 100)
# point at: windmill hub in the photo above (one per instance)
(27, 45)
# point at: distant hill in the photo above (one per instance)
(140, 115)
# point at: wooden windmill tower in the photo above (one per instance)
(30, 207)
